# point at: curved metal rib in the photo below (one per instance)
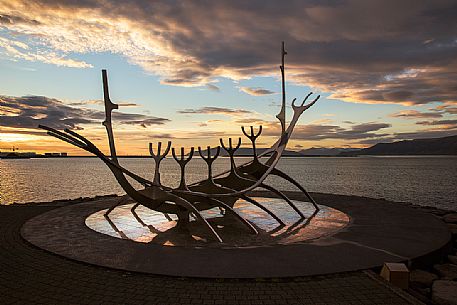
(283, 175)
(186, 204)
(140, 221)
(284, 197)
(238, 216)
(254, 202)
(122, 200)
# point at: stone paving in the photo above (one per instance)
(32, 276)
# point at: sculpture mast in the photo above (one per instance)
(109, 106)
(282, 114)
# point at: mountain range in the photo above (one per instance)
(247, 152)
(323, 151)
(433, 146)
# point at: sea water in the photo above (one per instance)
(423, 180)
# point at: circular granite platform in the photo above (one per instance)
(345, 235)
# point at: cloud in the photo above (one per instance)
(414, 114)
(446, 108)
(374, 141)
(438, 122)
(213, 87)
(253, 121)
(256, 91)
(8, 19)
(215, 110)
(321, 132)
(13, 49)
(30, 111)
(399, 52)
(143, 122)
(101, 103)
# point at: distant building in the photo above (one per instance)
(56, 154)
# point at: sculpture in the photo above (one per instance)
(220, 191)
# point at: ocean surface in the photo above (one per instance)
(423, 180)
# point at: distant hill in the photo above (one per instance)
(434, 146)
(247, 152)
(322, 151)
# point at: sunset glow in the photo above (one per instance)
(193, 75)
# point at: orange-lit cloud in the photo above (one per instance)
(215, 110)
(256, 91)
(414, 114)
(361, 51)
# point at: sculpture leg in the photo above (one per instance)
(279, 173)
(183, 220)
(250, 200)
(190, 207)
(280, 194)
(238, 216)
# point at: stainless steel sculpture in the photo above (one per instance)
(220, 191)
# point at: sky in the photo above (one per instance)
(195, 71)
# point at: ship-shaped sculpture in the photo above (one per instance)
(220, 191)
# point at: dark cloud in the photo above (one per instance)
(144, 122)
(256, 91)
(322, 132)
(13, 20)
(365, 51)
(215, 110)
(30, 111)
(367, 127)
(180, 135)
(374, 141)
